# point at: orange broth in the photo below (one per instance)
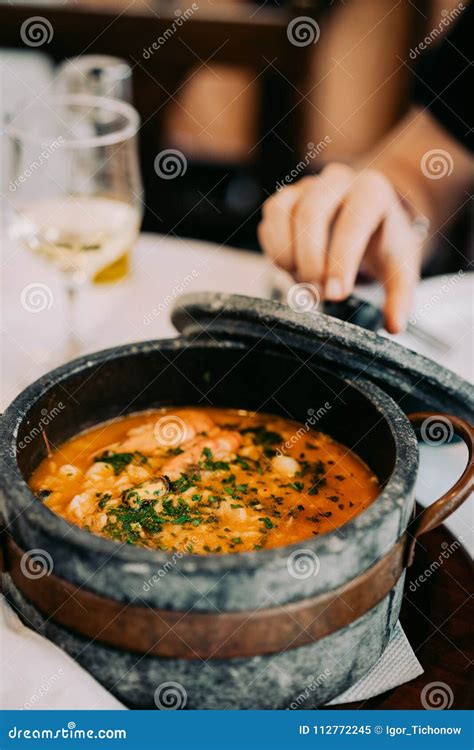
(204, 480)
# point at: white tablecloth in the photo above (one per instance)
(138, 309)
(109, 315)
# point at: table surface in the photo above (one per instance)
(436, 616)
(138, 309)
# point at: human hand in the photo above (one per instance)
(323, 229)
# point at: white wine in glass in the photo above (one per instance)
(81, 234)
(77, 194)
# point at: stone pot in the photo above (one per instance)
(253, 630)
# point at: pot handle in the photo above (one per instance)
(439, 429)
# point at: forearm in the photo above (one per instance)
(403, 156)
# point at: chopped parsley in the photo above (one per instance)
(184, 482)
(126, 524)
(208, 464)
(242, 462)
(298, 486)
(262, 436)
(103, 500)
(175, 451)
(120, 461)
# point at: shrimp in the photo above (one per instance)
(99, 470)
(221, 447)
(197, 422)
(81, 505)
(168, 431)
(68, 470)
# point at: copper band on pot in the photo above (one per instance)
(227, 635)
(206, 635)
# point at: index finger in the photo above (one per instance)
(313, 214)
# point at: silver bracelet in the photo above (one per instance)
(419, 223)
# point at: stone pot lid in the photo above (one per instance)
(414, 382)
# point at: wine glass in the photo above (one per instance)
(100, 75)
(75, 186)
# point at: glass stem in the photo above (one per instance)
(73, 347)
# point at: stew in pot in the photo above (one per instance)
(204, 480)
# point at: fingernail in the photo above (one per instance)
(397, 322)
(401, 321)
(333, 289)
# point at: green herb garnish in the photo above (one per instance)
(119, 461)
(262, 436)
(208, 464)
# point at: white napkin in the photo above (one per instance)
(38, 675)
(397, 665)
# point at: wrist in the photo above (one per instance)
(420, 224)
(414, 198)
